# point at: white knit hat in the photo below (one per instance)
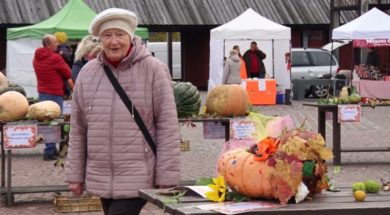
(114, 18)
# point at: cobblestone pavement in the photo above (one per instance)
(373, 130)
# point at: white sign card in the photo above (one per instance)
(241, 129)
(243, 84)
(262, 85)
(67, 107)
(349, 113)
(18, 136)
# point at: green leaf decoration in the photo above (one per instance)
(237, 197)
(308, 168)
(204, 181)
(52, 123)
(336, 170)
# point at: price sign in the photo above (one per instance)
(241, 129)
(18, 136)
(349, 113)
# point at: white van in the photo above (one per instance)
(160, 50)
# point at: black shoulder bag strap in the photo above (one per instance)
(133, 111)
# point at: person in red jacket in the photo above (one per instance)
(51, 70)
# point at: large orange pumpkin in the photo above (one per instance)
(246, 176)
(13, 106)
(261, 179)
(227, 100)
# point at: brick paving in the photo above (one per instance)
(374, 130)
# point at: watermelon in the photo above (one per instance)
(187, 99)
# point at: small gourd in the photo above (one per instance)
(344, 92)
(354, 98)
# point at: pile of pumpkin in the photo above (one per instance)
(15, 106)
(278, 168)
(222, 101)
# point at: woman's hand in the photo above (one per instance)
(76, 188)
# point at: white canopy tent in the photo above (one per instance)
(374, 24)
(272, 38)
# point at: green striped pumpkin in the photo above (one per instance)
(187, 99)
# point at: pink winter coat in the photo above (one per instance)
(107, 151)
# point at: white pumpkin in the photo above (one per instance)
(13, 106)
(44, 111)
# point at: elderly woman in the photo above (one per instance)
(108, 154)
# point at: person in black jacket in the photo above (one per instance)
(254, 62)
(373, 58)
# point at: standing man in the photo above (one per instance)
(254, 62)
(51, 71)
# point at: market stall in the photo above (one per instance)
(74, 19)
(272, 38)
(366, 32)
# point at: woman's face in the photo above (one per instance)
(115, 43)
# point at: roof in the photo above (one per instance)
(365, 27)
(74, 19)
(182, 12)
(251, 25)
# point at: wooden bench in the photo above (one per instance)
(326, 203)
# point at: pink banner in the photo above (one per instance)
(371, 43)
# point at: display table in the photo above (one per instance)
(7, 190)
(373, 88)
(260, 91)
(322, 109)
(326, 203)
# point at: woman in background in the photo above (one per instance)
(242, 63)
(87, 50)
(231, 71)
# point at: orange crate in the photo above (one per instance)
(257, 97)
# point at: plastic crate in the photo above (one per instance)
(83, 203)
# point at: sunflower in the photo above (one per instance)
(219, 190)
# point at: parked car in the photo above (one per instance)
(311, 63)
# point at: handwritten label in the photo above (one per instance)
(349, 113)
(213, 130)
(19, 136)
(241, 129)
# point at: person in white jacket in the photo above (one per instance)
(231, 71)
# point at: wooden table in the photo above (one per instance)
(7, 191)
(322, 109)
(326, 203)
